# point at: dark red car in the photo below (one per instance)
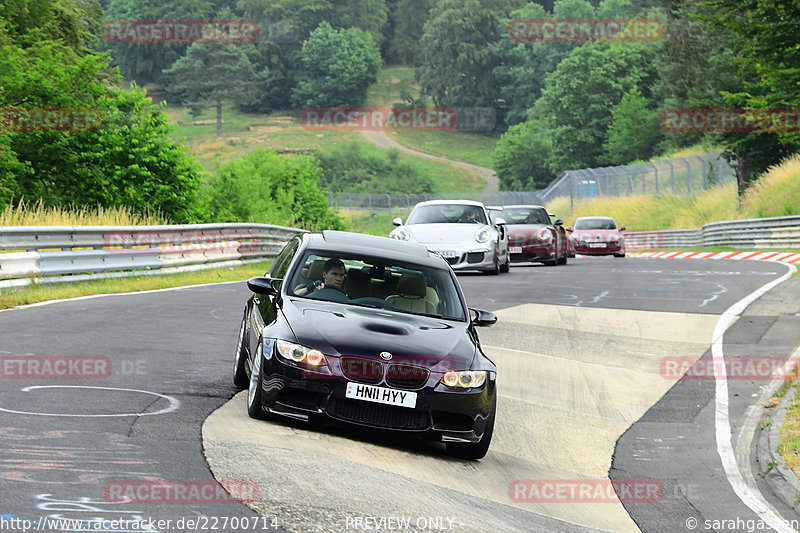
(533, 236)
(598, 236)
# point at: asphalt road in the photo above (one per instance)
(68, 443)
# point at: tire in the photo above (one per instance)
(505, 267)
(496, 270)
(240, 378)
(620, 255)
(563, 260)
(475, 450)
(254, 388)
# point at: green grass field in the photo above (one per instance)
(283, 133)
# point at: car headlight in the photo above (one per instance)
(482, 235)
(544, 234)
(613, 238)
(298, 353)
(466, 379)
(401, 234)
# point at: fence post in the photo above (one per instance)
(655, 169)
(703, 162)
(688, 176)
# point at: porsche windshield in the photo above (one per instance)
(447, 214)
(379, 283)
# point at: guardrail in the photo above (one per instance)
(47, 254)
(753, 233)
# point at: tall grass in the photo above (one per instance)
(775, 193)
(23, 214)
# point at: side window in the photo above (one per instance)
(281, 264)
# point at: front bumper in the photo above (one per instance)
(534, 253)
(583, 248)
(481, 257)
(441, 413)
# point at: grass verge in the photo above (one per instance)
(789, 439)
(42, 292)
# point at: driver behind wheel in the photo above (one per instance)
(332, 278)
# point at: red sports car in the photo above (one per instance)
(598, 236)
(532, 236)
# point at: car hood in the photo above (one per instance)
(525, 229)
(340, 329)
(432, 234)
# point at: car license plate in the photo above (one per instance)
(515, 249)
(384, 395)
(597, 245)
(449, 254)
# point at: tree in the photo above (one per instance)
(634, 131)
(578, 98)
(144, 62)
(264, 187)
(765, 40)
(408, 19)
(121, 155)
(337, 68)
(210, 73)
(521, 158)
(458, 59)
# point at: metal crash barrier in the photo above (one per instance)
(49, 254)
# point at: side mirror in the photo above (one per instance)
(552, 214)
(499, 221)
(570, 229)
(622, 228)
(558, 222)
(268, 286)
(397, 221)
(483, 317)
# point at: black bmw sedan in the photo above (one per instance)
(368, 331)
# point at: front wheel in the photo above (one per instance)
(475, 450)
(496, 268)
(240, 359)
(505, 267)
(254, 408)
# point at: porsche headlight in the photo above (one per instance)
(482, 235)
(613, 238)
(544, 234)
(401, 234)
(467, 379)
(298, 353)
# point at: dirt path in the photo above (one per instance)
(380, 138)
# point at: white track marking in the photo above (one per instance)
(173, 403)
(750, 497)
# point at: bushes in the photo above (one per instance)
(350, 169)
(266, 188)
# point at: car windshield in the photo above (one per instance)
(447, 214)
(380, 283)
(595, 223)
(525, 215)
